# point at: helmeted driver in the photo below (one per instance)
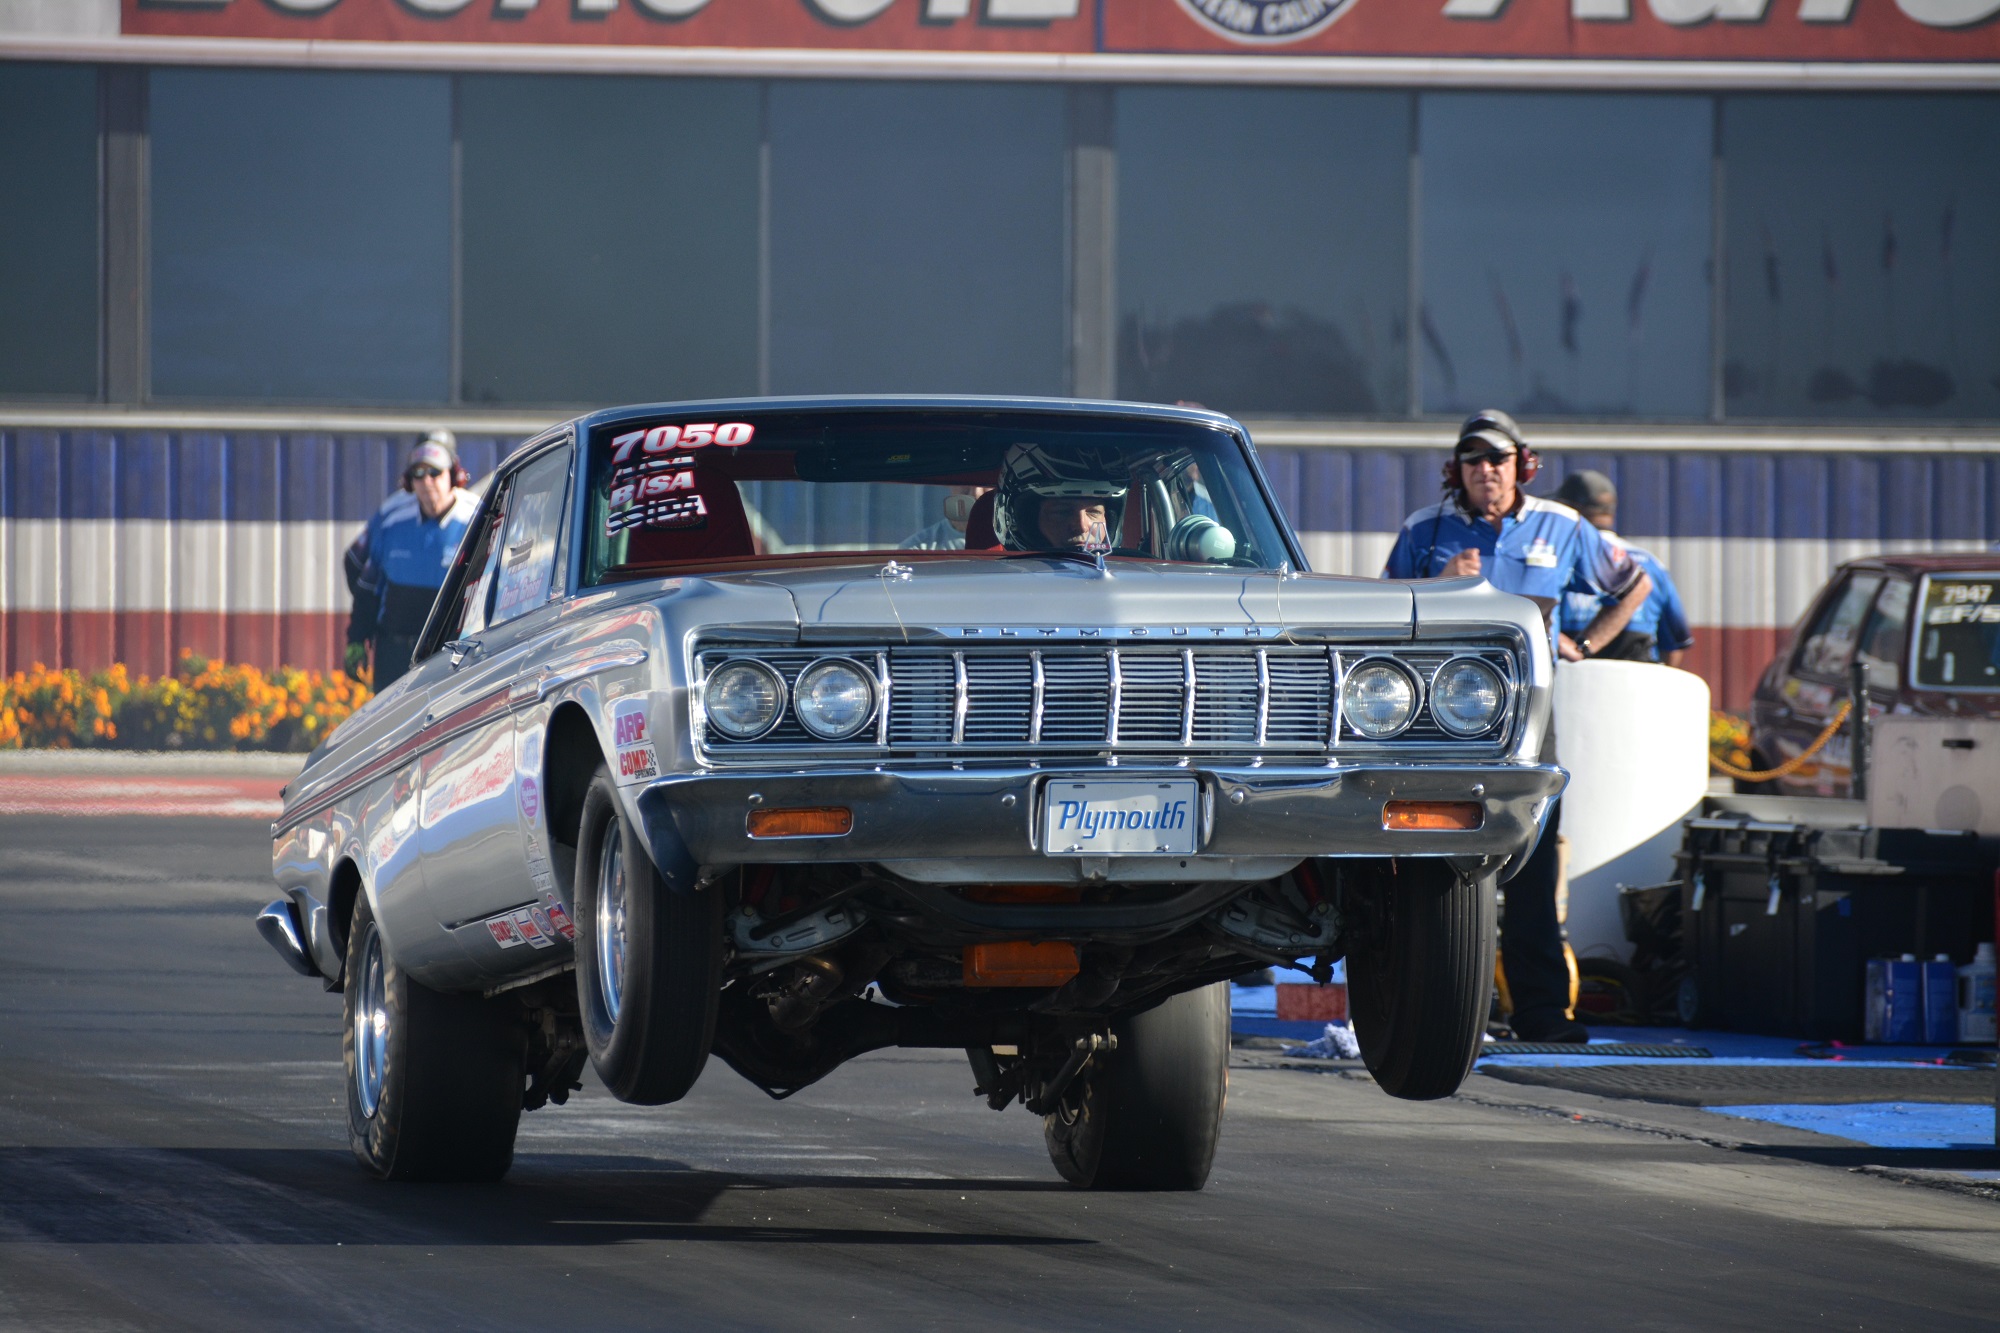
(1059, 499)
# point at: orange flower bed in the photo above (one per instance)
(203, 705)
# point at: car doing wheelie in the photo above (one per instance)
(790, 730)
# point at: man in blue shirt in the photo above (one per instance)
(1486, 525)
(1659, 629)
(397, 564)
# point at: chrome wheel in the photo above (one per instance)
(371, 1025)
(611, 920)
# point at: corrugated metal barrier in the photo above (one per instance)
(128, 545)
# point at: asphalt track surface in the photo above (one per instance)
(173, 1155)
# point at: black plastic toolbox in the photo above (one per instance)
(1784, 899)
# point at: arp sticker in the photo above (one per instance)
(632, 740)
(524, 921)
(559, 918)
(504, 933)
(531, 797)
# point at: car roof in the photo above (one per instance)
(1979, 562)
(907, 402)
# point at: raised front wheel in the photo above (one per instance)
(648, 959)
(1421, 942)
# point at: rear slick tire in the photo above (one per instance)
(648, 959)
(1420, 976)
(1147, 1115)
(434, 1080)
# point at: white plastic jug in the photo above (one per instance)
(1975, 997)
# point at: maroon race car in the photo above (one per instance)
(1928, 626)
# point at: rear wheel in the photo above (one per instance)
(1420, 975)
(1147, 1115)
(434, 1080)
(648, 959)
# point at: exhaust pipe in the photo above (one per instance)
(279, 925)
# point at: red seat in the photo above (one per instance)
(727, 532)
(979, 534)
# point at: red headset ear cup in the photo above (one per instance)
(1531, 463)
(460, 478)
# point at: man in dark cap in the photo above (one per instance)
(397, 564)
(1658, 631)
(1488, 526)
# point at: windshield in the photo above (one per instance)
(779, 486)
(1960, 647)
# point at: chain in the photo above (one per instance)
(1797, 761)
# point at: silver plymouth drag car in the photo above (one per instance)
(792, 729)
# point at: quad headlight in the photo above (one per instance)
(744, 699)
(1467, 697)
(1379, 699)
(834, 698)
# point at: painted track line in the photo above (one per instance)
(222, 798)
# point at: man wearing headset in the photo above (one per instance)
(395, 567)
(1486, 525)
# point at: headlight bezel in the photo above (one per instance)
(1411, 677)
(1501, 690)
(861, 671)
(777, 679)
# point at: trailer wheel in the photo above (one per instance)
(1420, 975)
(434, 1080)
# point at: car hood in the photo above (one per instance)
(922, 598)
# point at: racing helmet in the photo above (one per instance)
(1031, 473)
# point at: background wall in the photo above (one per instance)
(130, 545)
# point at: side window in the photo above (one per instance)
(474, 592)
(1830, 642)
(1882, 642)
(525, 565)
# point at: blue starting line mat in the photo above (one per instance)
(1883, 1124)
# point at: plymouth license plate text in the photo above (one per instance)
(1099, 818)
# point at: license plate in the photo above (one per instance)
(1095, 817)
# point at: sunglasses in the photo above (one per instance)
(422, 471)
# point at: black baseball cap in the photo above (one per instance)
(1492, 419)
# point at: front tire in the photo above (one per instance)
(1147, 1115)
(434, 1080)
(1420, 976)
(648, 959)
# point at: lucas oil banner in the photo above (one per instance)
(1783, 30)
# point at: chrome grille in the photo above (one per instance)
(1000, 698)
(922, 698)
(1225, 696)
(1091, 698)
(1152, 689)
(1076, 698)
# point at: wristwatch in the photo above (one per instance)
(1583, 646)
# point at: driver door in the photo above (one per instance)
(476, 865)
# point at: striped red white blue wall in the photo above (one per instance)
(129, 545)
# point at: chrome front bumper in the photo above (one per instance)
(1252, 816)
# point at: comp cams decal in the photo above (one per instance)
(533, 926)
(632, 742)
